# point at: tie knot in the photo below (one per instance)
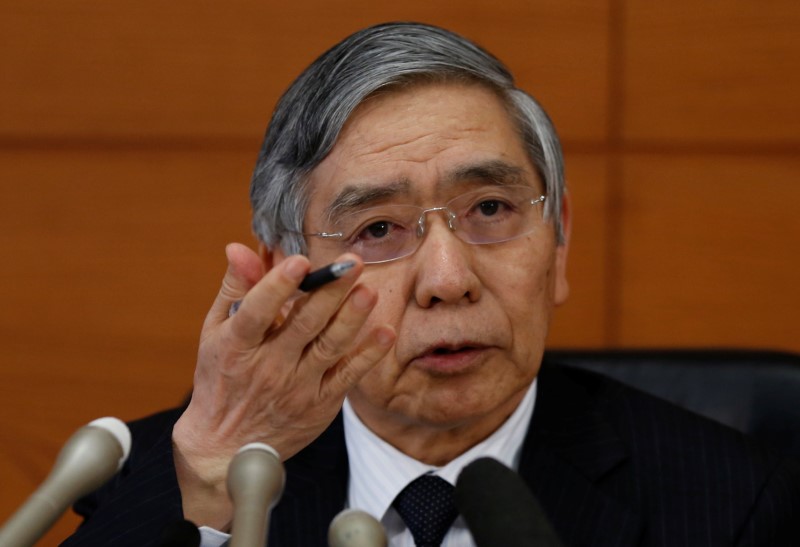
(428, 508)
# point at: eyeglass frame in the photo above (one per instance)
(421, 228)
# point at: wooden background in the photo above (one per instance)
(128, 131)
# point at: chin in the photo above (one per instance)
(454, 405)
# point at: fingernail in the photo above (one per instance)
(295, 269)
(385, 337)
(362, 299)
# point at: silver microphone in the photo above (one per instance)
(255, 484)
(356, 528)
(88, 459)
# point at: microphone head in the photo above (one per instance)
(260, 446)
(255, 483)
(256, 472)
(500, 509)
(120, 431)
(89, 458)
(180, 533)
(356, 528)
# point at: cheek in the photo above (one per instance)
(526, 276)
(380, 384)
(390, 285)
(389, 308)
(526, 292)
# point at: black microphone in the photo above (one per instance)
(356, 528)
(180, 533)
(255, 483)
(500, 509)
(89, 458)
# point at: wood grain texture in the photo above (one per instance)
(712, 74)
(710, 252)
(581, 321)
(111, 260)
(193, 70)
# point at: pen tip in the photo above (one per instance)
(340, 268)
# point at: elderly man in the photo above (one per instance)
(407, 154)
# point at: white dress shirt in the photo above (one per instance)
(378, 472)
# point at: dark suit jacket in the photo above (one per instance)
(610, 466)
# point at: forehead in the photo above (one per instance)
(422, 141)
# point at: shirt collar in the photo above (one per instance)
(378, 471)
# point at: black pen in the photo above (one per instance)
(313, 280)
(324, 275)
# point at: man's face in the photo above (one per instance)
(471, 319)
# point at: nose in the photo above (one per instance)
(444, 266)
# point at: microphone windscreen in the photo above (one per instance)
(180, 533)
(90, 457)
(120, 431)
(255, 483)
(355, 528)
(500, 509)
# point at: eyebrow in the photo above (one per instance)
(495, 172)
(355, 196)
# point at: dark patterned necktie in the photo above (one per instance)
(428, 508)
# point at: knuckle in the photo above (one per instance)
(228, 290)
(325, 349)
(305, 326)
(349, 372)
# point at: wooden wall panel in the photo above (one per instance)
(709, 248)
(712, 72)
(188, 69)
(582, 321)
(111, 270)
(110, 261)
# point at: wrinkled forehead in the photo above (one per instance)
(353, 196)
(424, 141)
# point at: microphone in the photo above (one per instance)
(356, 528)
(500, 509)
(89, 458)
(180, 533)
(255, 483)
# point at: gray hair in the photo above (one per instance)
(311, 113)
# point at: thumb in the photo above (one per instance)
(245, 269)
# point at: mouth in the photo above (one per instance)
(451, 351)
(448, 359)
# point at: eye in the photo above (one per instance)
(489, 207)
(377, 230)
(492, 207)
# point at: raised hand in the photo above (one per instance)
(276, 371)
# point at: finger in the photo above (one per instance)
(336, 339)
(310, 316)
(340, 379)
(260, 309)
(245, 269)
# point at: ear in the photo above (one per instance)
(562, 250)
(270, 257)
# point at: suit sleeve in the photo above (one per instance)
(135, 506)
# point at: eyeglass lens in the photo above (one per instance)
(492, 214)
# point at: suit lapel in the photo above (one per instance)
(577, 466)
